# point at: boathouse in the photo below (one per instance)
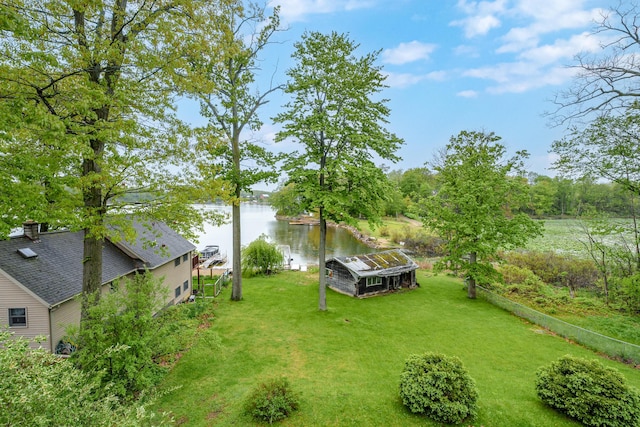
(364, 275)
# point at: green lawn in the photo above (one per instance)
(346, 362)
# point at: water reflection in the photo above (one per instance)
(304, 240)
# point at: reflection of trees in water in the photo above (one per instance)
(304, 241)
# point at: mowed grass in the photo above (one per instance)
(346, 362)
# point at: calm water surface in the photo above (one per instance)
(258, 219)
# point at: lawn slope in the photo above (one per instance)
(346, 362)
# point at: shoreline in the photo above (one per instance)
(363, 238)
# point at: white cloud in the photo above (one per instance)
(468, 94)
(518, 77)
(466, 50)
(537, 45)
(545, 16)
(561, 49)
(482, 16)
(408, 52)
(403, 80)
(298, 10)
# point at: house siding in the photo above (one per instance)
(174, 276)
(13, 296)
(63, 316)
(363, 289)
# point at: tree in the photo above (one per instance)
(473, 208)
(543, 194)
(608, 81)
(88, 86)
(607, 149)
(599, 230)
(417, 183)
(121, 336)
(340, 126)
(261, 257)
(286, 201)
(38, 388)
(231, 106)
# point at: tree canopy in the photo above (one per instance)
(334, 114)
(88, 116)
(229, 99)
(473, 209)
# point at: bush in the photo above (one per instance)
(261, 257)
(439, 387)
(589, 392)
(272, 401)
(119, 339)
(558, 270)
(38, 388)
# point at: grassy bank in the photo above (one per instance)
(346, 362)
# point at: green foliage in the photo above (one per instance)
(261, 257)
(38, 388)
(558, 270)
(474, 207)
(121, 337)
(439, 387)
(603, 151)
(626, 290)
(589, 392)
(90, 87)
(229, 99)
(520, 280)
(337, 116)
(286, 201)
(272, 401)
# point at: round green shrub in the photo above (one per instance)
(589, 392)
(272, 401)
(439, 387)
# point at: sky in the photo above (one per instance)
(451, 65)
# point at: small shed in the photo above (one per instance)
(363, 275)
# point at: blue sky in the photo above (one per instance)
(453, 65)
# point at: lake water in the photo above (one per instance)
(258, 219)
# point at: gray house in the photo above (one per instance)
(41, 274)
(362, 275)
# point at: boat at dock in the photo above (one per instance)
(211, 255)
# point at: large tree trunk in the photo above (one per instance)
(471, 284)
(92, 244)
(322, 289)
(91, 272)
(236, 288)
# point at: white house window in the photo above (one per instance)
(185, 257)
(18, 317)
(374, 281)
(177, 292)
(185, 285)
(176, 262)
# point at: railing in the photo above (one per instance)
(217, 287)
(610, 346)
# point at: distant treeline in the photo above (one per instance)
(549, 197)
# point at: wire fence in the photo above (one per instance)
(595, 341)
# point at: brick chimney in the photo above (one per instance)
(31, 230)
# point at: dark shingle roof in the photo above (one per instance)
(384, 263)
(55, 274)
(156, 244)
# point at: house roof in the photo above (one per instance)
(156, 244)
(386, 263)
(55, 273)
